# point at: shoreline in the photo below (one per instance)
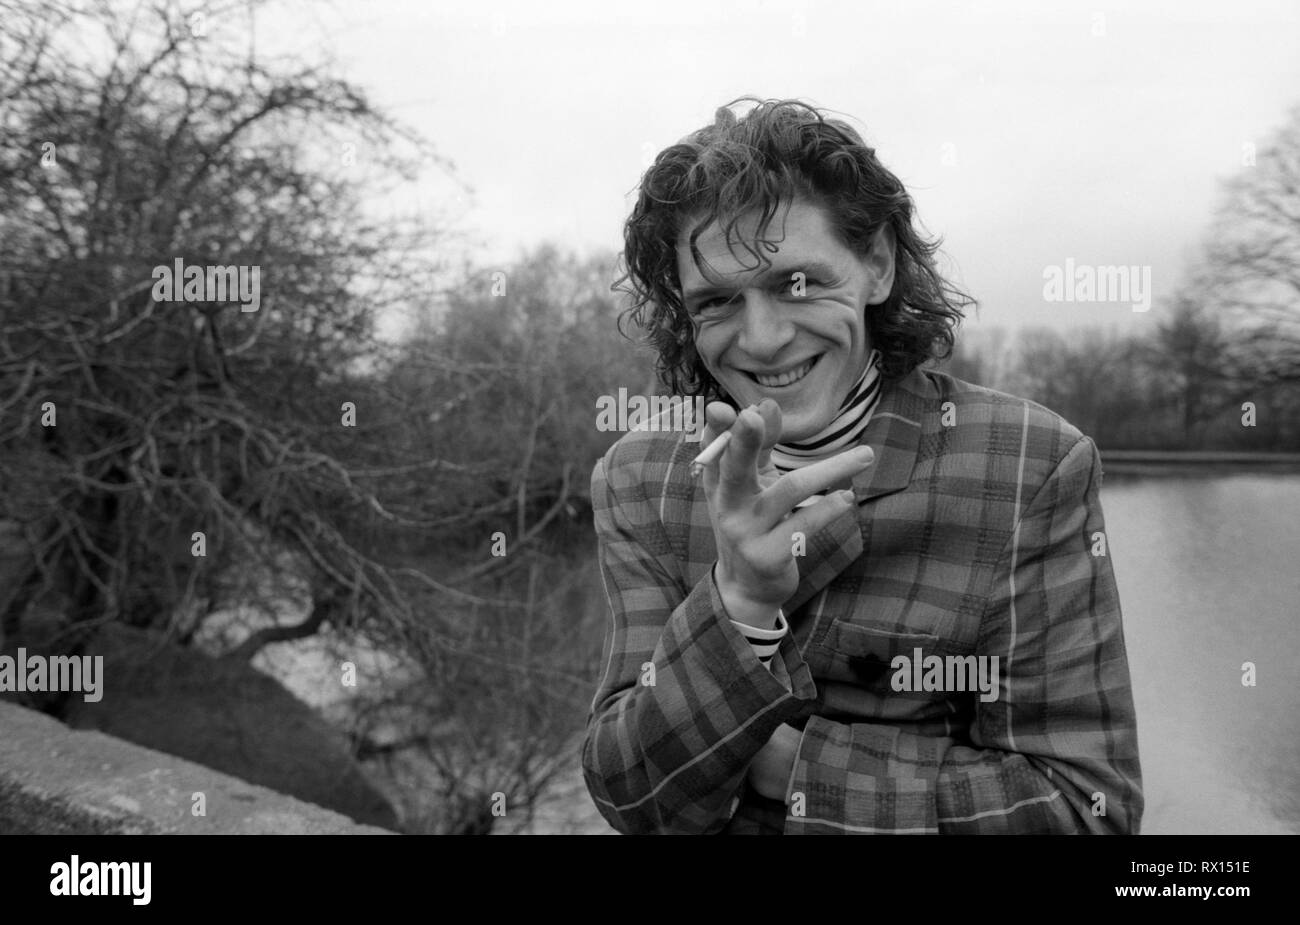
(1197, 462)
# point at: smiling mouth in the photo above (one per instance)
(787, 378)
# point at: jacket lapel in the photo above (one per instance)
(894, 432)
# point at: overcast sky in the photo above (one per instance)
(1028, 133)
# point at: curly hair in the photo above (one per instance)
(779, 150)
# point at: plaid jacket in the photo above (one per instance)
(978, 531)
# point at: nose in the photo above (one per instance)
(765, 328)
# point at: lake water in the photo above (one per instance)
(1209, 578)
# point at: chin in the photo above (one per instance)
(797, 433)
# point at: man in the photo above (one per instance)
(885, 607)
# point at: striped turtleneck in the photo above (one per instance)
(842, 433)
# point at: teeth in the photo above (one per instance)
(785, 378)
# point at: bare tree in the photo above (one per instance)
(1252, 270)
(165, 461)
(1189, 349)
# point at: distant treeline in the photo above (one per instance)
(1183, 387)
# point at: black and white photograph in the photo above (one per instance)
(804, 417)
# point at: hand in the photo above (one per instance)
(750, 507)
(769, 772)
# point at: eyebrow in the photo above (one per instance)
(809, 267)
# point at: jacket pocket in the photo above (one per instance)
(865, 654)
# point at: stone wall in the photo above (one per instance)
(60, 781)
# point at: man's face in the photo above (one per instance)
(763, 336)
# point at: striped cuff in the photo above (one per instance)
(764, 642)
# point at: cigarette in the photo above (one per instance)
(710, 454)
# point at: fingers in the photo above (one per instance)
(718, 417)
(716, 433)
(779, 499)
(816, 517)
(771, 413)
(754, 431)
(738, 469)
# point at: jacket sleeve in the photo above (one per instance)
(684, 703)
(1056, 751)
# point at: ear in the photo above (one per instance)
(879, 263)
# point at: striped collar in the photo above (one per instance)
(843, 431)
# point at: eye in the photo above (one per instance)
(793, 288)
(715, 305)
